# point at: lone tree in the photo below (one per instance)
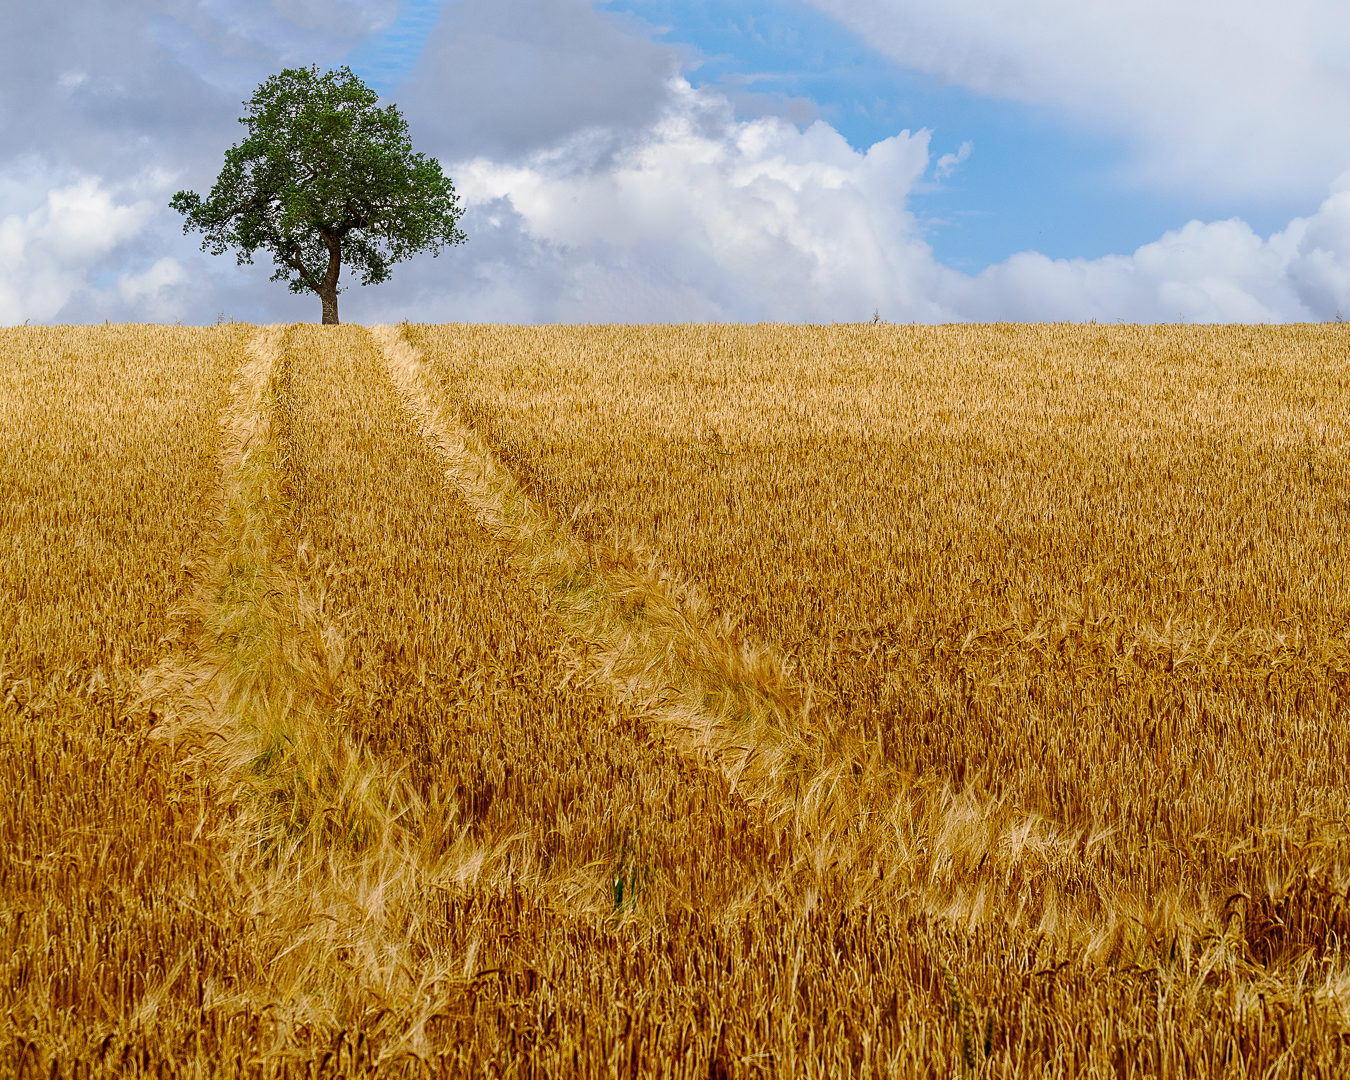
(324, 177)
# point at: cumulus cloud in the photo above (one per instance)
(704, 216)
(696, 216)
(947, 163)
(1204, 272)
(738, 219)
(147, 290)
(1245, 98)
(660, 205)
(46, 255)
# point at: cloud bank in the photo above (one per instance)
(734, 220)
(703, 216)
(1243, 98)
(599, 185)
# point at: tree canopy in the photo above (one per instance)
(325, 177)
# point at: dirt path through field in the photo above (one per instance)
(650, 638)
(712, 693)
(221, 675)
(251, 697)
(966, 854)
(253, 682)
(457, 675)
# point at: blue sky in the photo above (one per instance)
(648, 160)
(1034, 180)
(1029, 182)
(388, 57)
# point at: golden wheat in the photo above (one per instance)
(116, 918)
(363, 722)
(935, 546)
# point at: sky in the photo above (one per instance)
(687, 160)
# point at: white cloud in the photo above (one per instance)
(1242, 98)
(146, 290)
(947, 163)
(780, 223)
(80, 220)
(703, 216)
(1205, 272)
(49, 254)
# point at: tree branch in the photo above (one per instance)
(304, 273)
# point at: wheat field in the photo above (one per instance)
(701, 700)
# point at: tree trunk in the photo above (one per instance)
(330, 314)
(328, 290)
